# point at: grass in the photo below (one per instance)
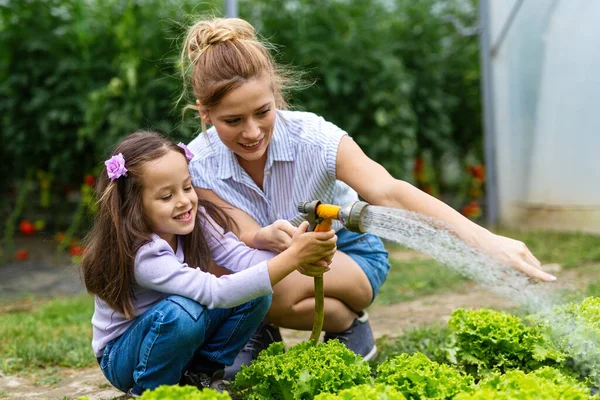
(55, 333)
(592, 288)
(410, 279)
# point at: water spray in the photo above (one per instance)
(320, 218)
(432, 237)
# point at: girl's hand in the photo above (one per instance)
(276, 237)
(516, 254)
(310, 247)
(316, 269)
(309, 252)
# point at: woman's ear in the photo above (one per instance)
(203, 114)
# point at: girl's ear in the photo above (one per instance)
(203, 114)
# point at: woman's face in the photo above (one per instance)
(245, 118)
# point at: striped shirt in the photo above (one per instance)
(301, 166)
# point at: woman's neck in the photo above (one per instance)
(255, 168)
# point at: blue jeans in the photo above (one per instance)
(368, 252)
(178, 334)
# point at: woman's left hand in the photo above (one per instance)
(276, 237)
(516, 254)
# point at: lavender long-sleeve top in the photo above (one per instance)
(160, 272)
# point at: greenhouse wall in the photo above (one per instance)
(546, 99)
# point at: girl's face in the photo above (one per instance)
(169, 200)
(245, 118)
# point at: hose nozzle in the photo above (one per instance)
(351, 214)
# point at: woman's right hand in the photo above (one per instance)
(276, 237)
(310, 247)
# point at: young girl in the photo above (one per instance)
(159, 316)
(264, 160)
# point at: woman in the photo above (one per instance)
(259, 161)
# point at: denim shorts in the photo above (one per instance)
(368, 252)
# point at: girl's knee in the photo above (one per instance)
(184, 307)
(185, 317)
(263, 303)
(255, 309)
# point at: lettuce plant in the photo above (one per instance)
(364, 392)
(179, 393)
(490, 340)
(574, 329)
(436, 342)
(183, 393)
(417, 377)
(302, 372)
(546, 383)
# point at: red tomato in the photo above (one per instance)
(21, 255)
(76, 250)
(59, 237)
(419, 165)
(478, 171)
(472, 210)
(26, 227)
(89, 180)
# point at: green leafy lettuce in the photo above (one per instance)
(489, 340)
(364, 392)
(183, 393)
(417, 377)
(546, 383)
(574, 329)
(302, 372)
(436, 342)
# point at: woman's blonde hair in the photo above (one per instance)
(221, 54)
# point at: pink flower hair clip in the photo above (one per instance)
(115, 167)
(188, 154)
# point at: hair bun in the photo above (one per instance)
(219, 30)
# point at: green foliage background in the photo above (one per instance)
(75, 75)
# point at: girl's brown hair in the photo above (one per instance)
(120, 227)
(221, 54)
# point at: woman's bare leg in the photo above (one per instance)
(347, 291)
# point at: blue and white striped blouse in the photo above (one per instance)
(301, 166)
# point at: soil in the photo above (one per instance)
(48, 276)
